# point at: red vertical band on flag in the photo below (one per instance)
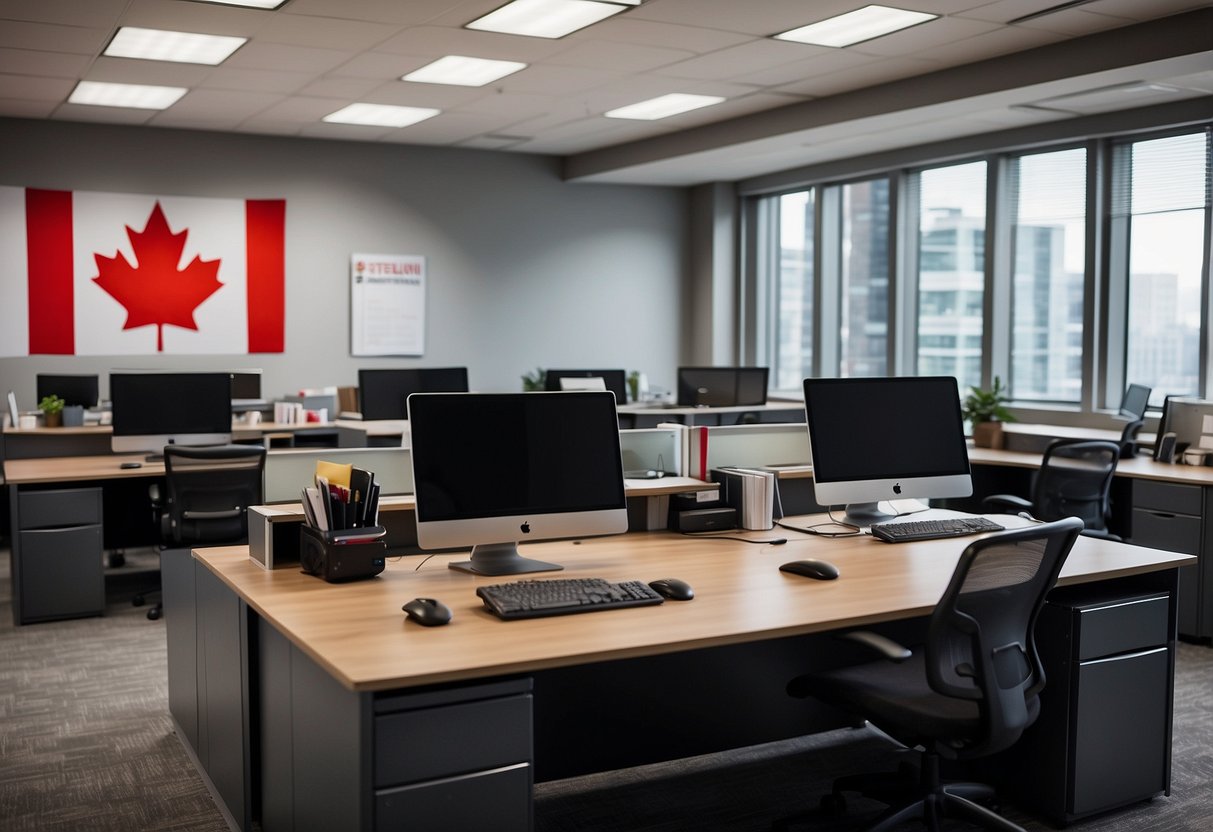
(265, 233)
(48, 237)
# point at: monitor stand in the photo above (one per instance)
(865, 514)
(501, 559)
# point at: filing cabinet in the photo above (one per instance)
(1178, 518)
(57, 554)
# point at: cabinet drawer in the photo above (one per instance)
(428, 743)
(498, 800)
(1122, 626)
(1167, 497)
(1169, 532)
(59, 507)
(62, 575)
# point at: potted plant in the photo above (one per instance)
(52, 410)
(986, 410)
(534, 380)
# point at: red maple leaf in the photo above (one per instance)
(156, 291)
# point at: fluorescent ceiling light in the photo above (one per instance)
(664, 106)
(163, 45)
(252, 4)
(853, 27)
(381, 115)
(545, 18)
(463, 71)
(139, 96)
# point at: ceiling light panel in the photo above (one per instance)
(463, 71)
(165, 45)
(664, 106)
(545, 18)
(251, 4)
(857, 26)
(380, 115)
(138, 96)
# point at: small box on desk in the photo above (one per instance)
(346, 555)
(705, 520)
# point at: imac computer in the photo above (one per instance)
(876, 439)
(152, 410)
(722, 386)
(492, 470)
(613, 380)
(74, 390)
(1133, 405)
(382, 393)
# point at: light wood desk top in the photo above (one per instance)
(1141, 467)
(78, 468)
(358, 632)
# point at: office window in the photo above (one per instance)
(1160, 196)
(1048, 198)
(951, 271)
(794, 315)
(864, 271)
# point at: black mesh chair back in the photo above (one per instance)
(980, 645)
(209, 490)
(1075, 480)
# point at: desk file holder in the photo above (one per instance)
(345, 555)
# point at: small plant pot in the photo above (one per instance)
(53, 420)
(988, 435)
(73, 416)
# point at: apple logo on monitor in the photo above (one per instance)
(897, 488)
(525, 527)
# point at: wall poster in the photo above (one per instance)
(387, 304)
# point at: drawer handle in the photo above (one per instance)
(1162, 514)
(1122, 656)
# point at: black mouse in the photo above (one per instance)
(131, 465)
(673, 589)
(427, 612)
(818, 569)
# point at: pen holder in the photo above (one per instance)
(344, 555)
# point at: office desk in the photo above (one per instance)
(1156, 504)
(89, 440)
(641, 415)
(361, 720)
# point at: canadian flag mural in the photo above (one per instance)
(126, 274)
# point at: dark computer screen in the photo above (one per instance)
(246, 384)
(176, 404)
(613, 380)
(74, 390)
(382, 393)
(1133, 405)
(722, 386)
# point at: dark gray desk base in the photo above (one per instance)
(333, 759)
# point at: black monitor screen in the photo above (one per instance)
(246, 384)
(613, 380)
(74, 390)
(722, 386)
(382, 393)
(171, 403)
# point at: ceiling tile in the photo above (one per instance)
(261, 80)
(434, 40)
(299, 30)
(408, 94)
(208, 18)
(352, 89)
(741, 60)
(104, 115)
(625, 28)
(383, 11)
(354, 132)
(162, 73)
(98, 14)
(866, 75)
(826, 62)
(52, 38)
(620, 57)
(448, 128)
(301, 110)
(226, 106)
(26, 108)
(279, 56)
(760, 19)
(380, 65)
(925, 37)
(1074, 22)
(52, 64)
(992, 44)
(555, 80)
(513, 105)
(37, 89)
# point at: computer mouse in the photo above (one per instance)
(818, 569)
(673, 589)
(131, 465)
(427, 612)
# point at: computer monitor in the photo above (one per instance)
(614, 380)
(246, 385)
(491, 470)
(1133, 405)
(74, 390)
(875, 439)
(722, 386)
(1191, 420)
(382, 393)
(151, 410)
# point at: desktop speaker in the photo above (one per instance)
(706, 520)
(341, 558)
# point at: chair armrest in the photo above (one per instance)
(1007, 501)
(883, 645)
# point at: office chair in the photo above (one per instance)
(208, 491)
(1074, 480)
(969, 692)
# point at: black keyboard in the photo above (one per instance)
(562, 596)
(933, 529)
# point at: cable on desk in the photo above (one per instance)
(774, 541)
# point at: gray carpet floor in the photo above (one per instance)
(86, 744)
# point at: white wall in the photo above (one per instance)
(524, 269)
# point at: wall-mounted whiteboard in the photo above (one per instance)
(387, 304)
